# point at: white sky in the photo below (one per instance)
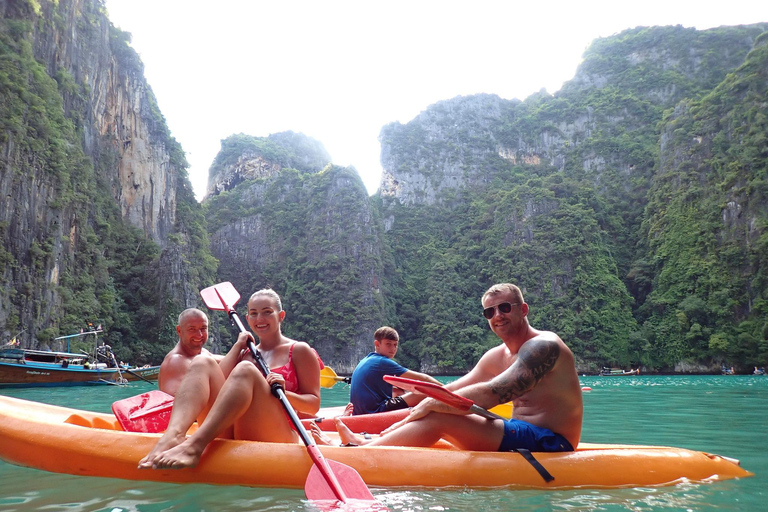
(338, 71)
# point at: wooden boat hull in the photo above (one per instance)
(31, 374)
(76, 442)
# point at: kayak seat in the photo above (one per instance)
(82, 421)
(76, 419)
(106, 425)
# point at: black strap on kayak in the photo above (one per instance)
(527, 455)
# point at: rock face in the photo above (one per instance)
(83, 135)
(310, 234)
(120, 115)
(629, 206)
(444, 148)
(465, 141)
(244, 157)
(520, 170)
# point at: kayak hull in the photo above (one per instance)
(70, 441)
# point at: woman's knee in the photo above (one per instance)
(246, 370)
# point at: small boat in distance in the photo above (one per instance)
(20, 367)
(615, 372)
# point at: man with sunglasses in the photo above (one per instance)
(534, 369)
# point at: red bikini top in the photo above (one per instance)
(288, 370)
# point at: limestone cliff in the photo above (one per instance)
(119, 113)
(87, 160)
(244, 157)
(465, 141)
(571, 196)
(279, 221)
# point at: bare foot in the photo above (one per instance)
(166, 442)
(320, 437)
(185, 455)
(347, 436)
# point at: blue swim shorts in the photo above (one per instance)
(521, 434)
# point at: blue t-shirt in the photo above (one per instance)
(368, 390)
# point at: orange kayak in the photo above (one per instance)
(76, 442)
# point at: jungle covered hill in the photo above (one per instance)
(625, 206)
(630, 206)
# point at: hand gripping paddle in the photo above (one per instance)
(327, 479)
(440, 393)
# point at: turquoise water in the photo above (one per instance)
(727, 415)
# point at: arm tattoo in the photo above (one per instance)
(535, 359)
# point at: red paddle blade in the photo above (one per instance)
(220, 297)
(350, 481)
(148, 412)
(431, 390)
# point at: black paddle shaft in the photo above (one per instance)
(277, 390)
(137, 375)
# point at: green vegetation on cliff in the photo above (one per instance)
(68, 255)
(706, 224)
(630, 207)
(565, 212)
(310, 237)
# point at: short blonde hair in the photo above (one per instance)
(504, 288)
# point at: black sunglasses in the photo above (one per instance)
(504, 307)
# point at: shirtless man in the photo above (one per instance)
(231, 399)
(533, 368)
(193, 334)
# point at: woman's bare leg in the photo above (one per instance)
(193, 400)
(246, 401)
(265, 419)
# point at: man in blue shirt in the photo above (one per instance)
(369, 393)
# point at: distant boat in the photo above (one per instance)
(30, 374)
(759, 371)
(21, 367)
(617, 372)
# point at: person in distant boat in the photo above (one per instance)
(533, 368)
(369, 392)
(232, 399)
(192, 329)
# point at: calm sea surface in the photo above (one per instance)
(727, 415)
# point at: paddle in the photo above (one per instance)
(327, 479)
(328, 378)
(137, 375)
(120, 367)
(440, 393)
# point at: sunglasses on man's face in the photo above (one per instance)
(504, 307)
